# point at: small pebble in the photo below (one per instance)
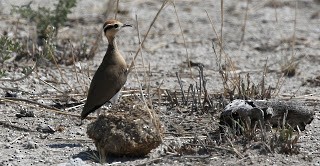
(45, 129)
(80, 132)
(31, 145)
(18, 157)
(7, 146)
(74, 162)
(10, 94)
(25, 113)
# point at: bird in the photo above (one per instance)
(110, 76)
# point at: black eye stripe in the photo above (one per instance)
(106, 27)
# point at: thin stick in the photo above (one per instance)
(145, 36)
(181, 88)
(75, 68)
(184, 40)
(294, 31)
(52, 109)
(264, 74)
(279, 84)
(95, 45)
(12, 99)
(117, 9)
(221, 28)
(45, 82)
(60, 72)
(148, 87)
(224, 53)
(213, 28)
(275, 10)
(74, 107)
(143, 64)
(23, 77)
(140, 89)
(16, 139)
(16, 89)
(98, 37)
(245, 22)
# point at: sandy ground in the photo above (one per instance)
(24, 141)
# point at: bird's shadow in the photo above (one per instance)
(93, 155)
(64, 145)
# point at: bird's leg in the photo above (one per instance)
(98, 112)
(81, 123)
(108, 104)
(115, 98)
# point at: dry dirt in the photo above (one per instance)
(267, 41)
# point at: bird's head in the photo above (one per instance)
(111, 27)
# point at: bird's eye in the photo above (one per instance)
(115, 25)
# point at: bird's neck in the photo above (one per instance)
(113, 55)
(112, 51)
(112, 46)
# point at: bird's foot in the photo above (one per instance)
(81, 123)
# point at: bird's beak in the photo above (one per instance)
(126, 25)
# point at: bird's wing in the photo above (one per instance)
(104, 85)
